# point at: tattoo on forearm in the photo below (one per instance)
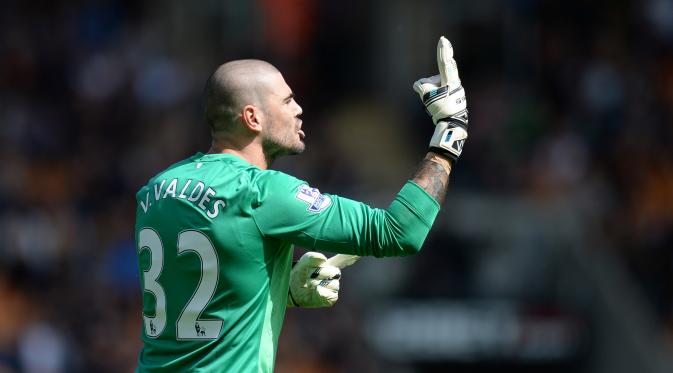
(433, 176)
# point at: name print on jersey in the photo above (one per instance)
(195, 192)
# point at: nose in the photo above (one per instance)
(299, 109)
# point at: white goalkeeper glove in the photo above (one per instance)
(314, 282)
(444, 100)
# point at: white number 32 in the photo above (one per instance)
(189, 326)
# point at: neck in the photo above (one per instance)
(251, 152)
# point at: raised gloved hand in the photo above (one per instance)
(444, 100)
(314, 282)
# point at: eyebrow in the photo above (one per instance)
(289, 97)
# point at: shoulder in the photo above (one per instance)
(282, 191)
(275, 180)
(270, 185)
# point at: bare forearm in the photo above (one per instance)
(433, 175)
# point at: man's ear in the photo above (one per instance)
(252, 118)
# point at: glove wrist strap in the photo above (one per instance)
(448, 139)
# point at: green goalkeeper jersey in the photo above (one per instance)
(214, 237)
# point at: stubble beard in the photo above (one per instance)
(274, 147)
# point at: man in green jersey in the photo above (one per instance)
(215, 232)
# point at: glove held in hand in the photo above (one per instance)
(313, 282)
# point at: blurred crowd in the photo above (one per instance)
(570, 104)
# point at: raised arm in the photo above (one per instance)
(444, 99)
(302, 215)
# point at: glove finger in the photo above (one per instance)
(418, 88)
(423, 89)
(435, 80)
(311, 259)
(326, 272)
(424, 85)
(448, 69)
(342, 260)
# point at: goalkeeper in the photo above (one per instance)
(215, 232)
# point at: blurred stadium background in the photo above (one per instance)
(553, 252)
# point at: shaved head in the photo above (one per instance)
(232, 86)
(251, 110)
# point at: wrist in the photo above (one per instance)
(441, 159)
